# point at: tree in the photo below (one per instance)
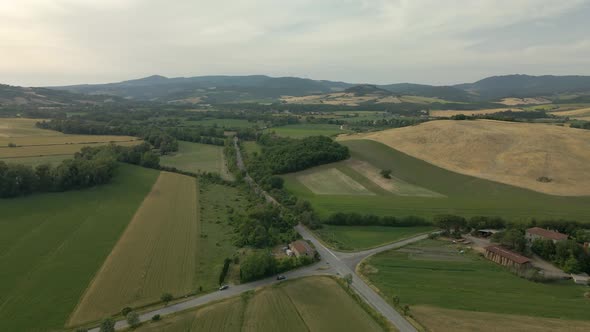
(132, 319)
(571, 265)
(125, 311)
(406, 309)
(348, 279)
(257, 265)
(396, 300)
(450, 223)
(386, 173)
(156, 317)
(166, 297)
(107, 325)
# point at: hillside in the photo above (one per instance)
(497, 87)
(512, 153)
(24, 96)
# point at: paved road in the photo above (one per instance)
(332, 263)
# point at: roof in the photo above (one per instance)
(520, 259)
(552, 235)
(301, 246)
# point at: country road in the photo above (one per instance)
(331, 263)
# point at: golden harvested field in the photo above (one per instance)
(448, 320)
(524, 101)
(307, 304)
(449, 113)
(507, 152)
(34, 142)
(157, 253)
(331, 181)
(579, 114)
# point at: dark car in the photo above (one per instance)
(281, 277)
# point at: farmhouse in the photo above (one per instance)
(506, 257)
(535, 233)
(301, 248)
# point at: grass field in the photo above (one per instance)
(309, 304)
(33, 143)
(35, 161)
(448, 320)
(251, 147)
(49, 254)
(464, 195)
(513, 153)
(434, 273)
(197, 157)
(364, 237)
(304, 130)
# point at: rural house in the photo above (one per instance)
(535, 233)
(506, 257)
(302, 248)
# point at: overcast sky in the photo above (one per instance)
(56, 42)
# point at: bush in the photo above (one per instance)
(107, 325)
(386, 173)
(132, 319)
(166, 297)
(224, 270)
(156, 317)
(125, 311)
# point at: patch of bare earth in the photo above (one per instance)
(449, 113)
(524, 101)
(449, 320)
(512, 153)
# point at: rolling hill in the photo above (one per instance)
(25, 96)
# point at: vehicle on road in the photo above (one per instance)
(223, 287)
(281, 277)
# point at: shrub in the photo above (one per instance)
(156, 317)
(166, 297)
(132, 319)
(125, 311)
(386, 173)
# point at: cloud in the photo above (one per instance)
(382, 41)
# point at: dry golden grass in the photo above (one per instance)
(157, 253)
(449, 113)
(448, 320)
(580, 114)
(7, 153)
(524, 101)
(506, 152)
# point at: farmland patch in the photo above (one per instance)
(331, 181)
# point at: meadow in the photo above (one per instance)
(307, 129)
(307, 304)
(434, 273)
(50, 254)
(175, 243)
(459, 194)
(223, 123)
(197, 157)
(353, 238)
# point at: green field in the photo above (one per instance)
(365, 237)
(305, 130)
(331, 181)
(51, 245)
(251, 147)
(197, 157)
(35, 161)
(434, 273)
(459, 194)
(308, 304)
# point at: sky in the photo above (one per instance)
(60, 42)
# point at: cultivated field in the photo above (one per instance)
(450, 113)
(352, 99)
(50, 253)
(197, 157)
(356, 238)
(175, 243)
(451, 280)
(223, 123)
(512, 153)
(458, 194)
(578, 114)
(448, 320)
(304, 130)
(331, 181)
(309, 304)
(524, 101)
(156, 254)
(33, 143)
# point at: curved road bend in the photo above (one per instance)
(332, 263)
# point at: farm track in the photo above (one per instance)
(332, 263)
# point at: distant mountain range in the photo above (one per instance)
(260, 88)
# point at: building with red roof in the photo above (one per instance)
(506, 257)
(535, 233)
